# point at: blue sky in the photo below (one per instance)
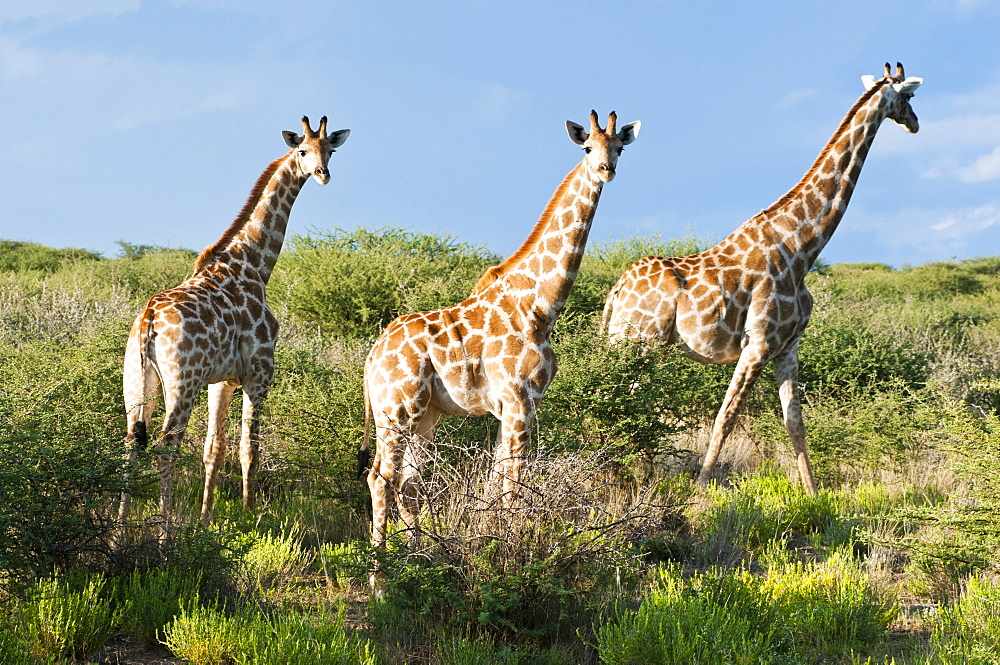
(149, 122)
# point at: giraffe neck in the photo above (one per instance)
(255, 238)
(541, 273)
(803, 220)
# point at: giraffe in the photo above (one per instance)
(745, 299)
(490, 353)
(215, 329)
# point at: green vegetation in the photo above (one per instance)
(613, 554)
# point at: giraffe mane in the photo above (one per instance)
(844, 124)
(496, 272)
(211, 251)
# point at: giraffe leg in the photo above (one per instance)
(219, 397)
(409, 484)
(381, 483)
(748, 369)
(515, 428)
(786, 373)
(379, 488)
(253, 403)
(178, 412)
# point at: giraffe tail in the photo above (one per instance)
(364, 453)
(609, 306)
(139, 434)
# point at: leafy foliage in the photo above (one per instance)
(16, 256)
(623, 397)
(60, 464)
(354, 283)
(60, 621)
(795, 614)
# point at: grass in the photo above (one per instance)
(608, 558)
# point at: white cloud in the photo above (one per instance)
(64, 11)
(794, 97)
(116, 92)
(498, 102)
(982, 169)
(961, 223)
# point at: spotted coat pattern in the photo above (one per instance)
(490, 353)
(745, 300)
(216, 330)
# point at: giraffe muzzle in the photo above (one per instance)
(322, 175)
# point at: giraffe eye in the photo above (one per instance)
(302, 153)
(621, 150)
(587, 150)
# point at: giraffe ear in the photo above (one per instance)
(338, 137)
(869, 81)
(629, 132)
(292, 140)
(577, 134)
(909, 85)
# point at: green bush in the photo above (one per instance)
(270, 560)
(354, 283)
(763, 507)
(842, 356)
(62, 620)
(147, 600)
(968, 632)
(16, 256)
(798, 613)
(462, 651)
(61, 470)
(628, 398)
(315, 421)
(208, 636)
(851, 437)
(962, 534)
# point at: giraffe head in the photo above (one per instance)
(602, 145)
(897, 91)
(311, 152)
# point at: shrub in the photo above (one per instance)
(354, 283)
(761, 508)
(960, 535)
(315, 420)
(686, 622)
(212, 554)
(844, 356)
(17, 256)
(272, 559)
(968, 632)
(534, 570)
(795, 613)
(861, 433)
(344, 563)
(61, 619)
(207, 636)
(60, 463)
(462, 651)
(291, 638)
(623, 398)
(147, 600)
